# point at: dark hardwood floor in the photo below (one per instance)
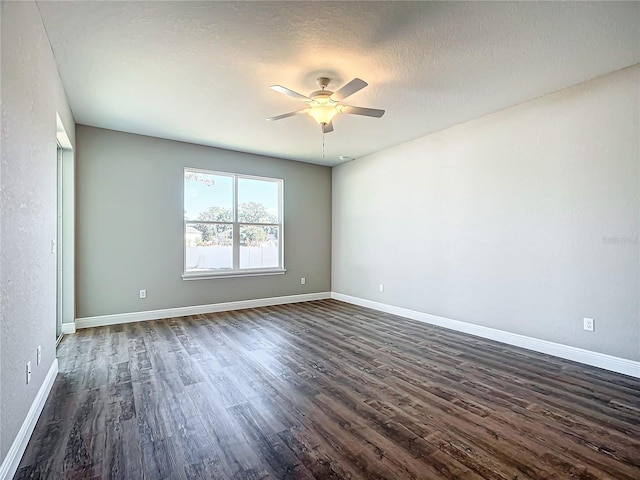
(325, 390)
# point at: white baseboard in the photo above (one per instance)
(68, 328)
(102, 320)
(588, 357)
(19, 445)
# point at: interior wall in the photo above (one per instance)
(526, 220)
(130, 224)
(32, 94)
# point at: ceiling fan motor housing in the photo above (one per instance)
(321, 96)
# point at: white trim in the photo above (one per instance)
(209, 275)
(19, 445)
(61, 134)
(588, 357)
(102, 320)
(68, 328)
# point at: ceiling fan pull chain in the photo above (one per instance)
(322, 143)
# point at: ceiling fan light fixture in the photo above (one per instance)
(323, 104)
(323, 114)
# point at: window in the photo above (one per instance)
(232, 224)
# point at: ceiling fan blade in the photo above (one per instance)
(327, 127)
(349, 89)
(290, 93)
(285, 115)
(367, 112)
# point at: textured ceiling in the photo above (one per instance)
(199, 71)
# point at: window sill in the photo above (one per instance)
(232, 274)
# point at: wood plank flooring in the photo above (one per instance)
(325, 390)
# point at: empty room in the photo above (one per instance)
(320, 240)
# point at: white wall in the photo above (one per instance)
(32, 93)
(526, 220)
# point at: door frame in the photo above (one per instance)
(65, 250)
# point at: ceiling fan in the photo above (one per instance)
(324, 104)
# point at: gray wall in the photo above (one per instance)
(130, 231)
(31, 95)
(526, 220)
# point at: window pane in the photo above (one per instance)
(258, 200)
(208, 197)
(259, 246)
(208, 247)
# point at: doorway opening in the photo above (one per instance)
(59, 246)
(65, 235)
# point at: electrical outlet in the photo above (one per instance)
(38, 354)
(303, 281)
(28, 372)
(381, 287)
(143, 294)
(53, 246)
(589, 324)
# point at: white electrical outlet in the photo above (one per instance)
(53, 246)
(381, 287)
(143, 294)
(38, 354)
(303, 281)
(589, 324)
(28, 372)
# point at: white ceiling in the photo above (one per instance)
(199, 71)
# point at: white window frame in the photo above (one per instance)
(235, 271)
